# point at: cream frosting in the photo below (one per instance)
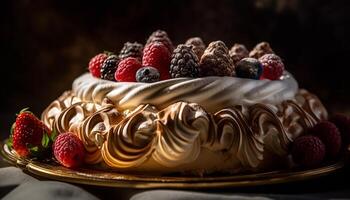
(184, 136)
(212, 93)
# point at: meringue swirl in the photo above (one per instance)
(139, 127)
(210, 92)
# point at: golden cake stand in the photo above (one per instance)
(54, 171)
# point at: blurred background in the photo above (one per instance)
(45, 45)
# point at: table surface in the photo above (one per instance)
(336, 185)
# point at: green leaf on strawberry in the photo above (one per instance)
(45, 141)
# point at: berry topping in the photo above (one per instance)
(131, 50)
(273, 66)
(147, 75)
(109, 67)
(198, 46)
(308, 151)
(127, 69)
(184, 62)
(249, 68)
(343, 124)
(69, 150)
(96, 63)
(162, 37)
(330, 136)
(261, 49)
(158, 56)
(216, 61)
(28, 133)
(238, 52)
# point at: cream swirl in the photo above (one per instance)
(212, 93)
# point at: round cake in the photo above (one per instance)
(196, 119)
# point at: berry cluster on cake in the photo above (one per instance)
(192, 108)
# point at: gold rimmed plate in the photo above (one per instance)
(51, 170)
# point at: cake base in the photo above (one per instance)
(183, 137)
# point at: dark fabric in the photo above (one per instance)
(14, 184)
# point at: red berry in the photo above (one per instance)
(308, 151)
(158, 56)
(330, 136)
(28, 132)
(96, 63)
(127, 68)
(343, 124)
(273, 66)
(69, 150)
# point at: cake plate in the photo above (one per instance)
(51, 170)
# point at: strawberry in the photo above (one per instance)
(158, 56)
(69, 150)
(29, 136)
(96, 63)
(127, 68)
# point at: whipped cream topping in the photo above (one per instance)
(184, 136)
(212, 93)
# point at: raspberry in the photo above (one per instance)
(158, 56)
(308, 151)
(127, 69)
(249, 68)
(109, 67)
(261, 49)
(131, 50)
(273, 66)
(343, 124)
(69, 150)
(238, 52)
(162, 37)
(147, 75)
(216, 61)
(96, 63)
(184, 63)
(330, 136)
(198, 46)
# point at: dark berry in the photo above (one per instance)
(160, 36)
(216, 61)
(343, 124)
(109, 67)
(238, 52)
(131, 50)
(198, 46)
(147, 75)
(184, 62)
(249, 68)
(261, 49)
(330, 136)
(308, 151)
(273, 66)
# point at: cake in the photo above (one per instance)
(187, 124)
(191, 110)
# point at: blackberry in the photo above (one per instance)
(216, 61)
(147, 75)
(109, 67)
(131, 50)
(249, 68)
(261, 49)
(238, 52)
(160, 36)
(198, 46)
(184, 62)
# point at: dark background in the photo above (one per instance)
(45, 45)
